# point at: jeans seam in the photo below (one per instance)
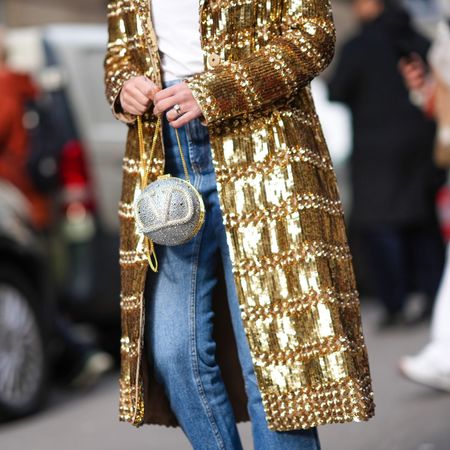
(194, 165)
(193, 340)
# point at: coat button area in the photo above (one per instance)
(213, 60)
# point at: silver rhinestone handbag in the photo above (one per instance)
(169, 211)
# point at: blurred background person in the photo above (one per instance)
(431, 366)
(16, 91)
(77, 362)
(393, 178)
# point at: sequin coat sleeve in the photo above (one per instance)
(279, 200)
(277, 68)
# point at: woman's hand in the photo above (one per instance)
(414, 72)
(178, 94)
(137, 95)
(418, 82)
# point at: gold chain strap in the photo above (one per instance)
(150, 247)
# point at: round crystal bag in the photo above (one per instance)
(169, 210)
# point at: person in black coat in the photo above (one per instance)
(394, 181)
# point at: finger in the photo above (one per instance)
(134, 107)
(172, 115)
(139, 97)
(408, 69)
(169, 92)
(183, 120)
(130, 110)
(146, 87)
(165, 104)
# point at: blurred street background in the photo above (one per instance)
(60, 178)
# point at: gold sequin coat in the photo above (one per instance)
(279, 201)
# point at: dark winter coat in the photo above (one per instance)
(393, 178)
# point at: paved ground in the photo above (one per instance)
(409, 417)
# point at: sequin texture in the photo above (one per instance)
(279, 199)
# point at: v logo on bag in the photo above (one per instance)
(164, 204)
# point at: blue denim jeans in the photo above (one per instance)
(180, 312)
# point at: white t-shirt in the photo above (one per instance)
(177, 27)
(439, 55)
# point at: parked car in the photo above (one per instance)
(25, 302)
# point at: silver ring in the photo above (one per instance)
(177, 109)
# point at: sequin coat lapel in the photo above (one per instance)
(279, 199)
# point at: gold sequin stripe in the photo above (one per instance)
(298, 304)
(306, 47)
(224, 41)
(305, 118)
(333, 402)
(126, 210)
(130, 302)
(128, 9)
(245, 124)
(210, 107)
(132, 257)
(284, 73)
(115, 48)
(262, 119)
(216, 6)
(129, 347)
(280, 158)
(277, 59)
(277, 54)
(132, 166)
(241, 77)
(136, 42)
(292, 205)
(312, 350)
(308, 252)
(128, 409)
(317, 58)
